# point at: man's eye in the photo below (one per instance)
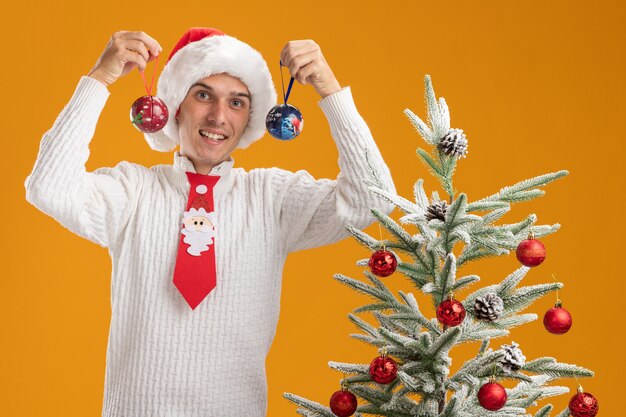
(240, 103)
(202, 95)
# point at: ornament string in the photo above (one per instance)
(344, 386)
(380, 233)
(143, 77)
(558, 301)
(282, 84)
(580, 387)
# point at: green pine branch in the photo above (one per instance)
(524, 190)
(308, 405)
(544, 411)
(549, 366)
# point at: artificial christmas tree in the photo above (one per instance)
(420, 346)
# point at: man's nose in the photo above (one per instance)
(217, 112)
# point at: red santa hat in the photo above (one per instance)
(200, 53)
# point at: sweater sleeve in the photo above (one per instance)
(95, 205)
(316, 212)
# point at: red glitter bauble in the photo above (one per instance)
(492, 396)
(557, 320)
(383, 263)
(531, 252)
(383, 370)
(450, 313)
(149, 114)
(343, 403)
(583, 404)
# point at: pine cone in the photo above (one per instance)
(436, 210)
(488, 307)
(513, 359)
(454, 144)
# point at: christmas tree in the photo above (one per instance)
(411, 376)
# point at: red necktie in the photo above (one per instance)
(194, 274)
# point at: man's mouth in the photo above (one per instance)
(213, 137)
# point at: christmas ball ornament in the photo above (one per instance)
(450, 312)
(557, 320)
(492, 396)
(583, 404)
(284, 122)
(149, 114)
(454, 144)
(343, 403)
(383, 263)
(383, 369)
(531, 252)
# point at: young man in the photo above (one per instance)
(198, 247)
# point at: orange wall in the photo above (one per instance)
(534, 84)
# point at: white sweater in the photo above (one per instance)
(164, 359)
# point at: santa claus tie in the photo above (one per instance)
(194, 274)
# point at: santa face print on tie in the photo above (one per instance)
(199, 229)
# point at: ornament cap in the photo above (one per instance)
(558, 304)
(580, 389)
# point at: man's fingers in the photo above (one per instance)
(138, 47)
(125, 51)
(297, 63)
(306, 71)
(151, 44)
(135, 58)
(297, 48)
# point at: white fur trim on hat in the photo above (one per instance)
(200, 59)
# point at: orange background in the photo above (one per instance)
(537, 86)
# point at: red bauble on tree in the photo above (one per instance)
(557, 320)
(149, 114)
(383, 369)
(531, 252)
(383, 263)
(583, 404)
(492, 396)
(343, 403)
(451, 312)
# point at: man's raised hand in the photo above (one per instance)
(125, 51)
(307, 64)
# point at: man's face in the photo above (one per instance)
(211, 120)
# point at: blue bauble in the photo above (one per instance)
(284, 122)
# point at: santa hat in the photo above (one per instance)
(200, 53)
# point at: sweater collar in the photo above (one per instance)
(183, 164)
